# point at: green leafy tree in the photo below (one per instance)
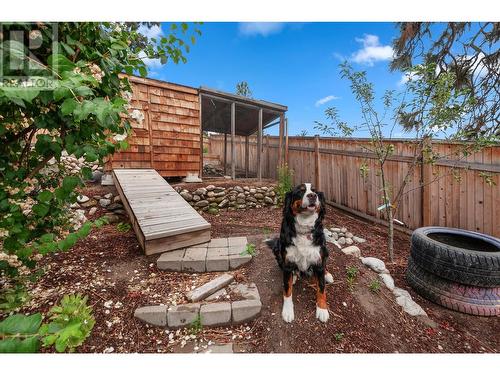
(82, 109)
(243, 89)
(427, 107)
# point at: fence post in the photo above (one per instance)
(317, 169)
(426, 178)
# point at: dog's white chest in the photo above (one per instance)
(303, 253)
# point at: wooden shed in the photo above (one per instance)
(168, 137)
(169, 120)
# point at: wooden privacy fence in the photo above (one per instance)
(433, 195)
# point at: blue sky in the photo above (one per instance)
(295, 64)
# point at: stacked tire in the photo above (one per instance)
(457, 269)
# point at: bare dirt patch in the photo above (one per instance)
(110, 268)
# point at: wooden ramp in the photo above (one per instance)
(161, 218)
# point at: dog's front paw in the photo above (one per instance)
(322, 314)
(287, 312)
(328, 278)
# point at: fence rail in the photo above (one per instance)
(433, 195)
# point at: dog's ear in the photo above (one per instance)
(287, 205)
(322, 203)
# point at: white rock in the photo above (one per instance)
(92, 211)
(336, 230)
(108, 196)
(343, 230)
(74, 205)
(333, 241)
(375, 264)
(104, 202)
(348, 235)
(348, 241)
(82, 199)
(387, 280)
(352, 250)
(358, 239)
(400, 292)
(341, 241)
(410, 306)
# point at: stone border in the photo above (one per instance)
(212, 314)
(403, 298)
(220, 254)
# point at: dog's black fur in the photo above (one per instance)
(288, 232)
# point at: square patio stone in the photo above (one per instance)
(237, 249)
(236, 261)
(235, 241)
(218, 242)
(194, 260)
(217, 263)
(171, 260)
(215, 314)
(217, 252)
(182, 315)
(245, 310)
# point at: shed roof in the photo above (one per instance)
(216, 112)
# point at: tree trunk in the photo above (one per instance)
(390, 240)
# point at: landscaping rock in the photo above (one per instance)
(358, 239)
(343, 230)
(90, 203)
(348, 241)
(114, 207)
(104, 202)
(209, 288)
(245, 310)
(223, 204)
(117, 199)
(92, 211)
(194, 260)
(171, 261)
(210, 187)
(259, 196)
(108, 196)
(213, 210)
(352, 250)
(182, 315)
(341, 241)
(215, 314)
(187, 197)
(112, 218)
(196, 198)
(387, 280)
(200, 191)
(410, 306)
(82, 199)
(349, 235)
(375, 264)
(268, 200)
(335, 230)
(202, 203)
(154, 315)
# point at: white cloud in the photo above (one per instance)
(406, 77)
(372, 51)
(154, 31)
(260, 28)
(326, 99)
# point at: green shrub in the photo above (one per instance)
(285, 182)
(70, 324)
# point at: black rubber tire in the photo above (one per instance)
(464, 266)
(472, 300)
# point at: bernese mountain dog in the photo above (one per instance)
(301, 247)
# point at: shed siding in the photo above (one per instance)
(168, 139)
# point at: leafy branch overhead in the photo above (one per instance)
(71, 95)
(467, 50)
